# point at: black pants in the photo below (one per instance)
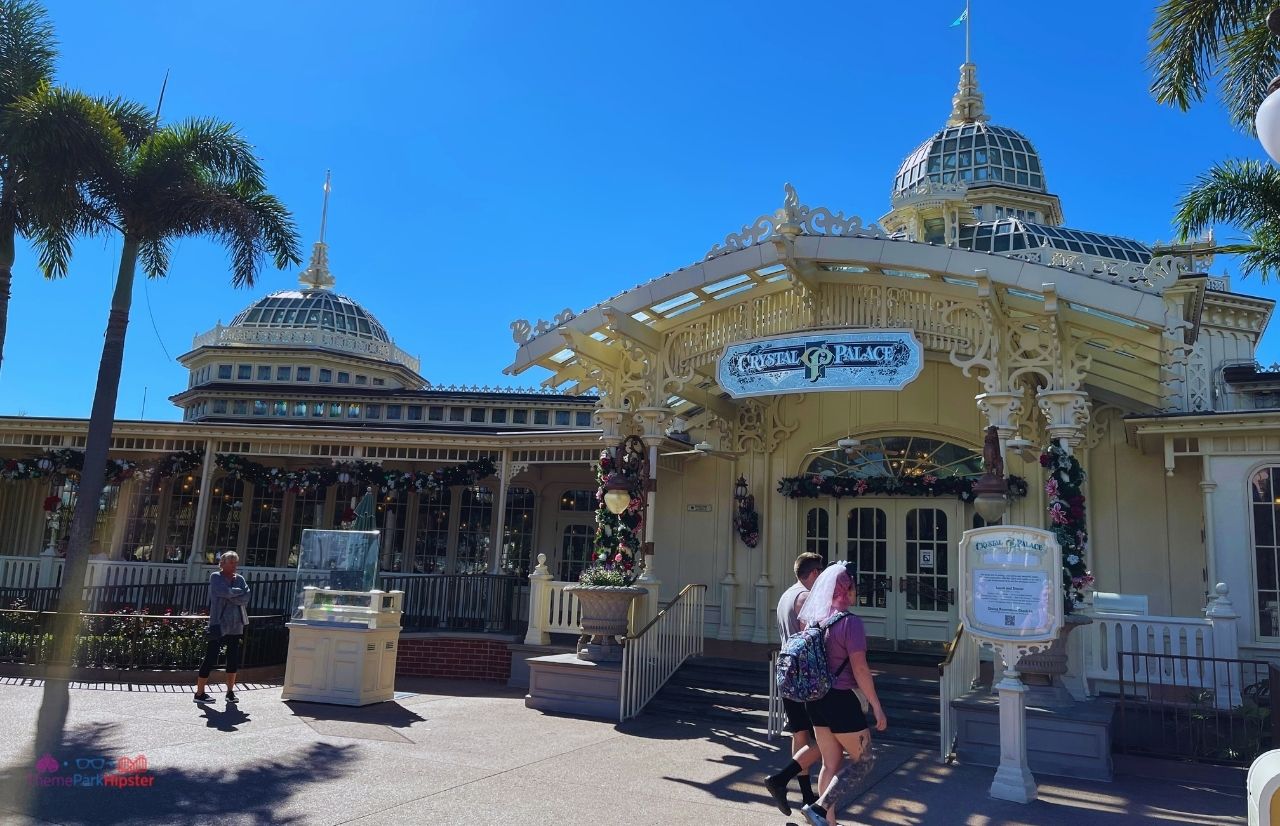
(233, 654)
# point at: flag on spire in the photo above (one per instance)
(964, 15)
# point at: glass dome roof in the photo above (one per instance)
(1012, 234)
(312, 310)
(975, 154)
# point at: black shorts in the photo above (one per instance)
(839, 711)
(797, 716)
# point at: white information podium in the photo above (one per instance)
(345, 635)
(1012, 602)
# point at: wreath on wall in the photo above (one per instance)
(812, 485)
(364, 474)
(1067, 521)
(747, 521)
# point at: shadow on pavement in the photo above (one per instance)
(389, 713)
(227, 719)
(177, 796)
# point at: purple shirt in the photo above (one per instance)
(844, 638)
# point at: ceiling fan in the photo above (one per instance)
(704, 449)
(851, 447)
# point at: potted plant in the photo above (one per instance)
(605, 588)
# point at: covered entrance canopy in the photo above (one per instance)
(1036, 336)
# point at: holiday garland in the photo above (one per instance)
(70, 463)
(812, 485)
(1067, 519)
(617, 541)
(364, 474)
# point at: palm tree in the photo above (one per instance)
(1245, 194)
(197, 178)
(1196, 41)
(49, 139)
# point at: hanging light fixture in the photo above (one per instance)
(617, 493)
(1267, 122)
(740, 489)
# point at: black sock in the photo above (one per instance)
(806, 789)
(783, 777)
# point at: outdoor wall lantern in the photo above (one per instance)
(740, 489)
(1267, 121)
(628, 468)
(991, 492)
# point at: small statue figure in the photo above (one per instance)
(991, 459)
(992, 462)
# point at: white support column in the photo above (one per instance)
(500, 524)
(1013, 780)
(1207, 487)
(652, 420)
(202, 506)
(1001, 411)
(1067, 412)
(1226, 645)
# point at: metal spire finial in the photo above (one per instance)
(317, 276)
(966, 106)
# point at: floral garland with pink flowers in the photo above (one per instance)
(1067, 520)
(618, 537)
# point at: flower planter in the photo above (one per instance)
(605, 609)
(1042, 673)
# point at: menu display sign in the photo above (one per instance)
(1011, 574)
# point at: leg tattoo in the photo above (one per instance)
(848, 779)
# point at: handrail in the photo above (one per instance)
(657, 651)
(661, 613)
(951, 648)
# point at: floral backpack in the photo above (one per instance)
(802, 674)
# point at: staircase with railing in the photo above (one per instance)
(657, 651)
(957, 674)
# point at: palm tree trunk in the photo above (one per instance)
(6, 278)
(49, 728)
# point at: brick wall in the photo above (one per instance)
(469, 659)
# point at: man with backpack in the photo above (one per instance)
(804, 750)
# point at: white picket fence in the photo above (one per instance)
(650, 657)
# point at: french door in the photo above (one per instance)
(905, 553)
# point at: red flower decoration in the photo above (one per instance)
(51, 503)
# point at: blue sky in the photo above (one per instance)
(495, 161)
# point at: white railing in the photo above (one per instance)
(958, 672)
(552, 609)
(19, 572)
(650, 657)
(1135, 634)
(564, 612)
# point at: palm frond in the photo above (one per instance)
(1186, 39)
(135, 121)
(1244, 193)
(213, 147)
(154, 255)
(27, 48)
(1250, 61)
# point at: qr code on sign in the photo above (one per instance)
(1008, 620)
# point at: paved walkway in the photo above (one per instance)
(461, 752)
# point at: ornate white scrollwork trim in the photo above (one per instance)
(523, 333)
(796, 219)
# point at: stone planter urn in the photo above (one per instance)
(605, 609)
(1042, 673)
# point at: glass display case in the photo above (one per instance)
(360, 609)
(345, 561)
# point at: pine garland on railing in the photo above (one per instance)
(811, 485)
(70, 462)
(364, 474)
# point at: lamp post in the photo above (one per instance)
(991, 492)
(1267, 122)
(630, 467)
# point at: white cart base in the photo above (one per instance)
(344, 666)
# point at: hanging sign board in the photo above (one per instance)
(814, 362)
(1012, 577)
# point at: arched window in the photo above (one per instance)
(266, 511)
(1264, 496)
(431, 542)
(898, 457)
(144, 517)
(817, 532)
(517, 542)
(475, 526)
(226, 513)
(184, 496)
(391, 513)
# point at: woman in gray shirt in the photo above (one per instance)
(228, 596)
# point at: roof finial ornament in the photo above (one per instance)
(317, 276)
(966, 106)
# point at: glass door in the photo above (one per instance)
(926, 584)
(867, 545)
